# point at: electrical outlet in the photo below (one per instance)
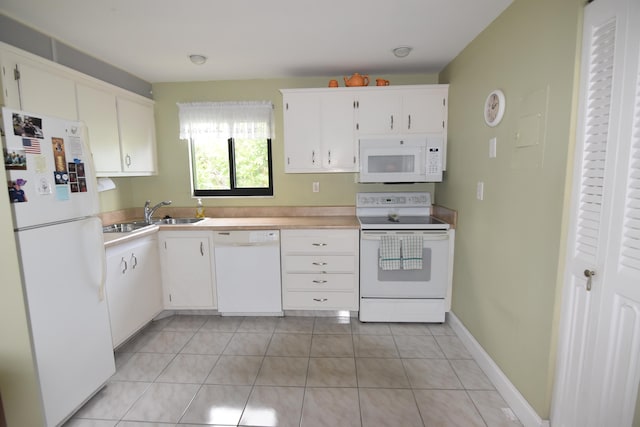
(480, 190)
(492, 147)
(316, 187)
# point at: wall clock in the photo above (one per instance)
(494, 108)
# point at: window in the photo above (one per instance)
(230, 147)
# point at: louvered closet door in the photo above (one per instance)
(598, 367)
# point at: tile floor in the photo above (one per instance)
(189, 370)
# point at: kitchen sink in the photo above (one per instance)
(176, 221)
(128, 227)
(124, 227)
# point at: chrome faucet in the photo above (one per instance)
(149, 211)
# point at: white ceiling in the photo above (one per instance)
(246, 39)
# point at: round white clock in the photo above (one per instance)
(494, 108)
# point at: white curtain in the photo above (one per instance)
(250, 119)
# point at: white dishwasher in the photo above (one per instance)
(247, 265)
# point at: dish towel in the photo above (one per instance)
(412, 252)
(389, 253)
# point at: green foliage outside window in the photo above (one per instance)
(212, 166)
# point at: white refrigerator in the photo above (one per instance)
(52, 188)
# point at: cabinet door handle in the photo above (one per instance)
(319, 263)
(123, 265)
(134, 261)
(392, 122)
(319, 282)
(127, 160)
(329, 157)
(201, 249)
(409, 125)
(319, 244)
(589, 275)
(320, 299)
(313, 157)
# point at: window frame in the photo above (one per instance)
(233, 191)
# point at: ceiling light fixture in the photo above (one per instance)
(402, 51)
(198, 59)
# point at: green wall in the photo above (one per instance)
(509, 246)
(172, 181)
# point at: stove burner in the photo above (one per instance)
(402, 221)
(402, 211)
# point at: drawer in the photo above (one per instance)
(320, 301)
(319, 263)
(320, 282)
(320, 241)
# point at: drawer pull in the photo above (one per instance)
(319, 244)
(320, 299)
(320, 281)
(319, 263)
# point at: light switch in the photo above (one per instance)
(316, 187)
(480, 190)
(492, 147)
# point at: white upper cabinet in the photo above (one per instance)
(378, 112)
(319, 132)
(37, 88)
(403, 111)
(120, 124)
(302, 132)
(121, 131)
(137, 137)
(97, 108)
(425, 110)
(322, 126)
(337, 132)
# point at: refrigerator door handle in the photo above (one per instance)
(103, 262)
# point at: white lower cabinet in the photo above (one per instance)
(320, 269)
(187, 269)
(134, 290)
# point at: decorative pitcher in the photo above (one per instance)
(357, 80)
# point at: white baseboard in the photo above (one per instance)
(527, 415)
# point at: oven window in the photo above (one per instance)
(391, 164)
(422, 275)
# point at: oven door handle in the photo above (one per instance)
(425, 237)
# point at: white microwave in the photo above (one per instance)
(401, 159)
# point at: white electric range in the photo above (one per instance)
(405, 258)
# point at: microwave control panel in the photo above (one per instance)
(435, 146)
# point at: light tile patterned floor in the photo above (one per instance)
(189, 370)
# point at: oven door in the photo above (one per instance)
(428, 282)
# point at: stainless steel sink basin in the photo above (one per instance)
(177, 221)
(124, 227)
(128, 227)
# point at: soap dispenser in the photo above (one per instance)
(199, 209)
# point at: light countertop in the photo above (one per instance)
(239, 223)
